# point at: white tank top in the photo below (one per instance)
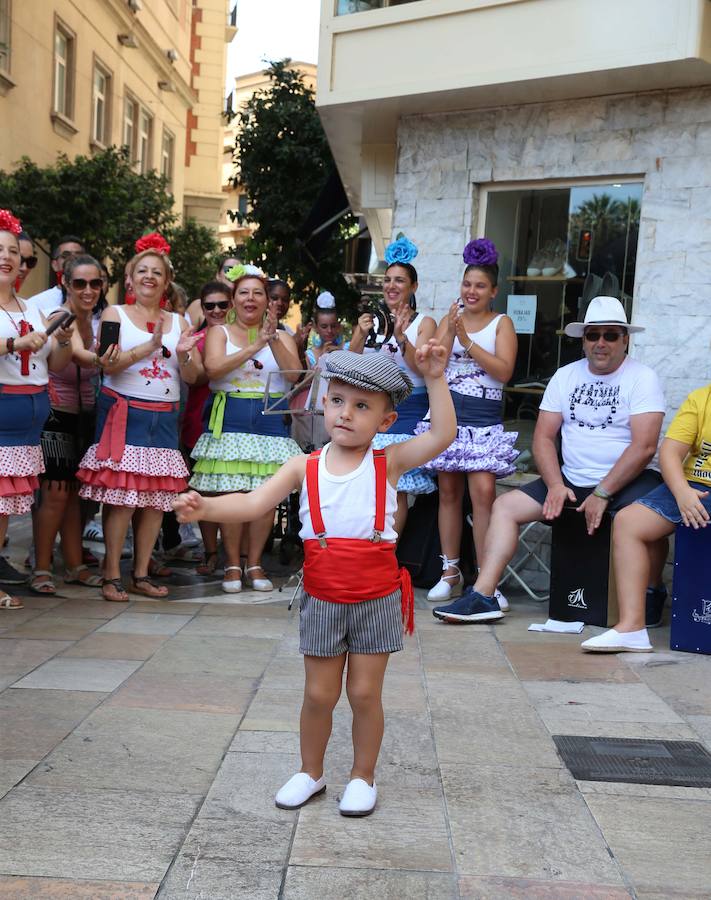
(343, 517)
(152, 378)
(392, 351)
(10, 363)
(464, 375)
(251, 376)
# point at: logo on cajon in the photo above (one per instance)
(576, 599)
(705, 615)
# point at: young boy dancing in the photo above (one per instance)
(355, 597)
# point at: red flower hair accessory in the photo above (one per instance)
(153, 241)
(8, 222)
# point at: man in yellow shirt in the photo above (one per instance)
(685, 458)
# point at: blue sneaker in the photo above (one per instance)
(470, 607)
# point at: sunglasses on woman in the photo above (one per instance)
(29, 261)
(609, 336)
(80, 284)
(219, 304)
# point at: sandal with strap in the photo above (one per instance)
(448, 585)
(73, 576)
(232, 585)
(157, 570)
(208, 564)
(44, 587)
(8, 602)
(120, 593)
(146, 587)
(258, 584)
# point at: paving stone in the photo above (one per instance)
(56, 627)
(492, 888)
(89, 605)
(209, 876)
(237, 627)
(133, 749)
(656, 841)
(458, 651)
(215, 606)
(277, 712)
(683, 682)
(212, 655)
(18, 657)
(16, 888)
(610, 704)
(226, 694)
(163, 607)
(702, 725)
(12, 771)
(246, 741)
(67, 674)
(535, 662)
(308, 882)
(145, 623)
(116, 646)
(13, 618)
(637, 791)
(108, 835)
(527, 824)
(33, 722)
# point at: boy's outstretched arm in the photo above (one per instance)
(431, 360)
(192, 507)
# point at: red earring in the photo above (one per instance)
(129, 299)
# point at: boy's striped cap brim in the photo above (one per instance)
(370, 372)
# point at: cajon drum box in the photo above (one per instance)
(691, 592)
(582, 583)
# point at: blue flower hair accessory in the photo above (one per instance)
(401, 250)
(481, 252)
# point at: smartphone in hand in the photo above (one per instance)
(63, 320)
(108, 335)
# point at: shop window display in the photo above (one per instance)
(559, 248)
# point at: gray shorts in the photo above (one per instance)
(330, 629)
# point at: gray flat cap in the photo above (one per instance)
(369, 372)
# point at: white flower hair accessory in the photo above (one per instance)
(326, 300)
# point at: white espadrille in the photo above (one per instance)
(358, 798)
(619, 642)
(299, 789)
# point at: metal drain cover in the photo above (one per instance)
(678, 763)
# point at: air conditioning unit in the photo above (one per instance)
(129, 40)
(135, 5)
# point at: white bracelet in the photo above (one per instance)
(467, 349)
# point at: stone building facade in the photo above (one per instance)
(664, 137)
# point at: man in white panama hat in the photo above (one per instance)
(607, 410)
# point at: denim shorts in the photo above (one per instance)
(662, 502)
(331, 629)
(640, 486)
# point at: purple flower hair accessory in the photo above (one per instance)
(481, 252)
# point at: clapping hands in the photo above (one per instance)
(431, 359)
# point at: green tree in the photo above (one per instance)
(99, 198)
(194, 251)
(283, 160)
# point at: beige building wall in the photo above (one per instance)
(232, 234)
(147, 57)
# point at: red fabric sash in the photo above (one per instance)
(352, 570)
(113, 436)
(22, 388)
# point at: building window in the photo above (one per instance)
(559, 246)
(101, 106)
(167, 154)
(63, 71)
(345, 7)
(242, 204)
(130, 114)
(5, 34)
(143, 141)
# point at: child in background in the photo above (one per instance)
(482, 346)
(356, 598)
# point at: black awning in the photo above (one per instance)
(330, 207)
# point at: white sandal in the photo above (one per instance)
(445, 588)
(258, 584)
(232, 585)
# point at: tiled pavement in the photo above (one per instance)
(141, 746)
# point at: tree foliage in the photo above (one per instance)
(100, 198)
(194, 252)
(283, 160)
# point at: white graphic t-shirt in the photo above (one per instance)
(596, 412)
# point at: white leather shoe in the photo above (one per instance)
(232, 585)
(258, 584)
(358, 798)
(449, 585)
(619, 642)
(299, 789)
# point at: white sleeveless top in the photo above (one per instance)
(464, 375)
(10, 371)
(348, 502)
(152, 378)
(251, 376)
(392, 351)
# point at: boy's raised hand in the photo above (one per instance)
(431, 359)
(188, 507)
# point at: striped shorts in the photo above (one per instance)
(331, 629)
